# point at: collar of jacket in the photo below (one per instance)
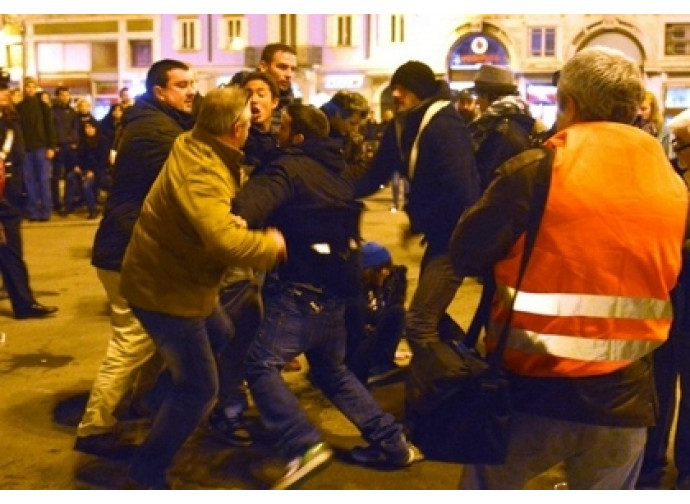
(231, 157)
(185, 120)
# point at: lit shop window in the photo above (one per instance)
(542, 42)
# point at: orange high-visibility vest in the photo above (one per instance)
(595, 296)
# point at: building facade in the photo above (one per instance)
(97, 54)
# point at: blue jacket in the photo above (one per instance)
(445, 182)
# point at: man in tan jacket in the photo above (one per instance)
(183, 242)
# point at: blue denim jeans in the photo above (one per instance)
(436, 288)
(77, 184)
(293, 325)
(596, 457)
(36, 170)
(188, 347)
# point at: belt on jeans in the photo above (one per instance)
(313, 296)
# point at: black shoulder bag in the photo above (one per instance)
(458, 405)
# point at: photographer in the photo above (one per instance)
(376, 321)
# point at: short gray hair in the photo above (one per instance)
(220, 109)
(604, 83)
(681, 122)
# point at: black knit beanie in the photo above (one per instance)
(416, 77)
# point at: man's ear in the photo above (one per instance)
(297, 139)
(262, 66)
(158, 93)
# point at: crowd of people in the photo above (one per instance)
(231, 244)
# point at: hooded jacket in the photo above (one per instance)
(150, 128)
(445, 181)
(302, 192)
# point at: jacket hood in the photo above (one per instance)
(326, 151)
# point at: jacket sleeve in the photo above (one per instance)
(204, 199)
(487, 230)
(386, 161)
(262, 194)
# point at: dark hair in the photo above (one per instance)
(262, 76)
(60, 89)
(307, 120)
(158, 73)
(269, 51)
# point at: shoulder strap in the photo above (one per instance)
(537, 205)
(430, 112)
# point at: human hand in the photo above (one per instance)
(50, 154)
(278, 238)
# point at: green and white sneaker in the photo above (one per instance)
(300, 468)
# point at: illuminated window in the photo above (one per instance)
(542, 42)
(344, 30)
(397, 28)
(187, 35)
(232, 32)
(288, 29)
(677, 40)
(141, 54)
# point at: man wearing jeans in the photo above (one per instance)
(40, 143)
(303, 192)
(182, 244)
(437, 158)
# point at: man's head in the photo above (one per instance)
(300, 122)
(172, 82)
(90, 128)
(411, 83)
(84, 106)
(30, 86)
(224, 113)
(599, 84)
(680, 129)
(263, 98)
(280, 61)
(491, 83)
(345, 111)
(62, 95)
(466, 105)
(124, 95)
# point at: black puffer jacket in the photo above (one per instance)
(150, 129)
(303, 193)
(445, 182)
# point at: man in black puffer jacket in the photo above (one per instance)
(151, 126)
(302, 192)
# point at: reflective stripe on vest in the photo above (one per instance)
(585, 305)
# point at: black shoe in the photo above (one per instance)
(36, 310)
(397, 453)
(233, 430)
(106, 445)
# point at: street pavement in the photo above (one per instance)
(47, 367)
